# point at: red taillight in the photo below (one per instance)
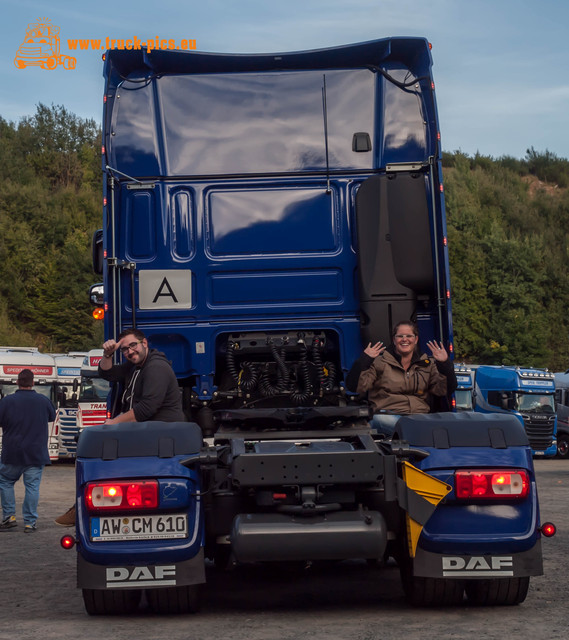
(491, 484)
(548, 529)
(67, 542)
(140, 494)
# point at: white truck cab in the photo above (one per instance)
(68, 379)
(93, 392)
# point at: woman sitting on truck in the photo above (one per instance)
(400, 379)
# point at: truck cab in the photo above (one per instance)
(68, 376)
(525, 393)
(266, 216)
(562, 407)
(465, 387)
(93, 392)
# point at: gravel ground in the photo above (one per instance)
(38, 597)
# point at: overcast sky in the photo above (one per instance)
(501, 67)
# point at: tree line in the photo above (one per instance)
(507, 232)
(509, 248)
(50, 204)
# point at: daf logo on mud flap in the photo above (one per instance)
(141, 576)
(478, 566)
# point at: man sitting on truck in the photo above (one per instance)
(399, 378)
(150, 387)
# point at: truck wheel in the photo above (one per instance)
(99, 602)
(563, 445)
(433, 592)
(68, 62)
(426, 592)
(50, 63)
(175, 599)
(500, 591)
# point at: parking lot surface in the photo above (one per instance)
(39, 598)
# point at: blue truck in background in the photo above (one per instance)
(465, 386)
(265, 217)
(528, 394)
(562, 412)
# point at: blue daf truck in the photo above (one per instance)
(562, 412)
(265, 217)
(528, 394)
(464, 387)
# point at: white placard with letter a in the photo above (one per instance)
(165, 289)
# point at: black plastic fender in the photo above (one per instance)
(464, 429)
(140, 439)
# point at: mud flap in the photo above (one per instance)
(141, 575)
(483, 566)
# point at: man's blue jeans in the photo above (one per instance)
(9, 475)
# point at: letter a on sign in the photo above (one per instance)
(167, 289)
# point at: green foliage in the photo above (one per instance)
(507, 224)
(509, 247)
(548, 167)
(49, 208)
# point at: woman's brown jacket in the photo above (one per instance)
(392, 388)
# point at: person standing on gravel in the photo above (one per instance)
(24, 418)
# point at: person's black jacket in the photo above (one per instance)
(151, 390)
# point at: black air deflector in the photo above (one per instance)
(464, 429)
(138, 439)
(394, 250)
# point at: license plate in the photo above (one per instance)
(164, 527)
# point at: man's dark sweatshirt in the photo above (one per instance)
(150, 390)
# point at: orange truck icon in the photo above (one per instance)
(41, 47)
